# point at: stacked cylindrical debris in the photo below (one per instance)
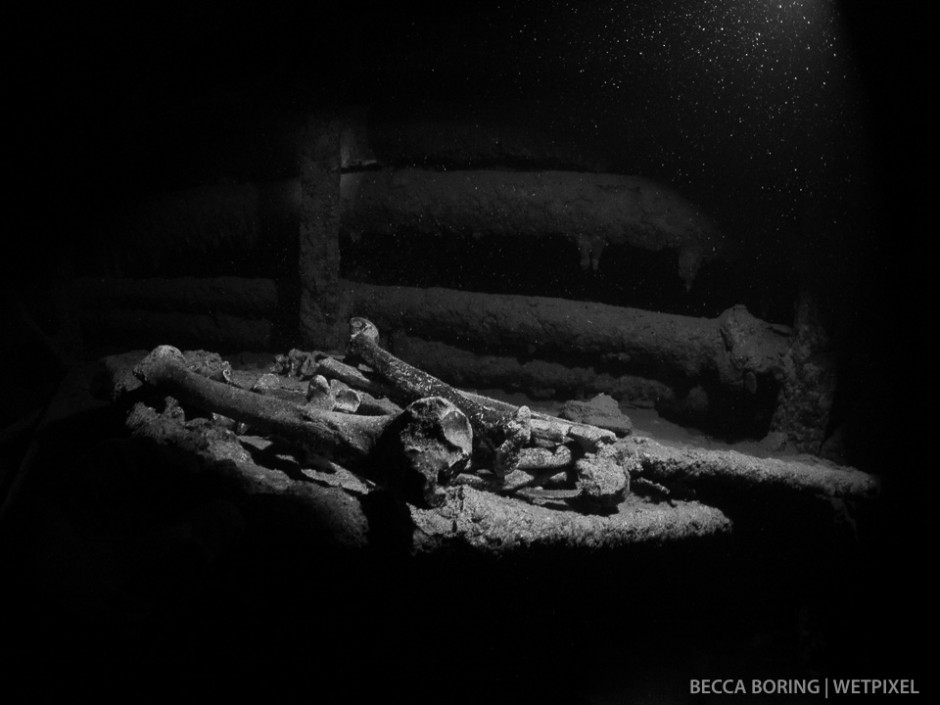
(739, 375)
(167, 272)
(223, 313)
(549, 347)
(755, 376)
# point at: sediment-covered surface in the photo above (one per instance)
(491, 524)
(337, 501)
(187, 549)
(728, 346)
(612, 208)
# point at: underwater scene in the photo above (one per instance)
(473, 351)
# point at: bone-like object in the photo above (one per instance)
(428, 444)
(536, 466)
(373, 396)
(547, 430)
(552, 429)
(545, 459)
(499, 436)
(413, 453)
(332, 395)
(345, 399)
(319, 395)
(602, 479)
(346, 438)
(331, 368)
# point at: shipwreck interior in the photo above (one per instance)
(484, 351)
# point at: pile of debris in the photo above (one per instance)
(399, 426)
(466, 466)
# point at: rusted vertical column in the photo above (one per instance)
(319, 234)
(809, 381)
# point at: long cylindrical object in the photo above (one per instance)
(145, 329)
(593, 209)
(734, 345)
(235, 295)
(724, 469)
(345, 437)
